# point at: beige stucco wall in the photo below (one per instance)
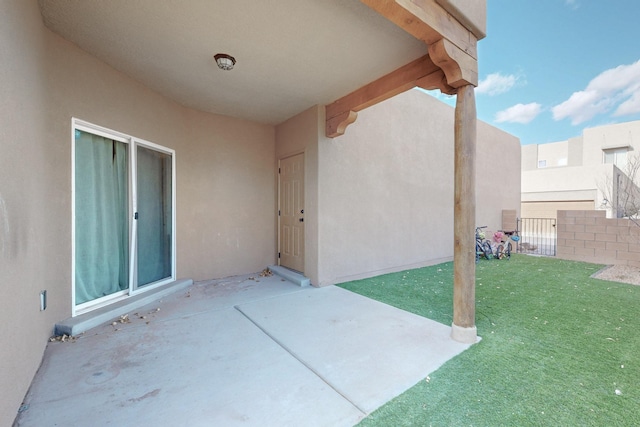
(225, 181)
(566, 179)
(565, 184)
(610, 136)
(29, 241)
(386, 188)
(529, 157)
(553, 154)
(575, 151)
(497, 175)
(226, 197)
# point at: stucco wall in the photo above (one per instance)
(573, 183)
(529, 157)
(553, 154)
(497, 175)
(29, 196)
(225, 181)
(226, 187)
(610, 136)
(565, 179)
(575, 151)
(386, 187)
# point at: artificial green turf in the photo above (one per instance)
(556, 345)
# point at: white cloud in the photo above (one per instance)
(582, 106)
(617, 86)
(630, 106)
(519, 113)
(572, 3)
(496, 83)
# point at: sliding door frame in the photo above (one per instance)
(132, 143)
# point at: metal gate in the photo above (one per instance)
(537, 236)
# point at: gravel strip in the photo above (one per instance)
(619, 273)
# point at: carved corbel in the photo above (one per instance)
(336, 126)
(459, 67)
(434, 81)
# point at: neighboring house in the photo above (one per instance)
(98, 127)
(584, 173)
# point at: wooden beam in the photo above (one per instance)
(463, 328)
(436, 80)
(460, 68)
(426, 20)
(421, 72)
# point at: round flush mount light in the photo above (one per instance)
(224, 61)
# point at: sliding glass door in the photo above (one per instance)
(123, 216)
(154, 173)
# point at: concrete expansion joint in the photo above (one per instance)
(299, 359)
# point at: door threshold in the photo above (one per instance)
(82, 323)
(292, 276)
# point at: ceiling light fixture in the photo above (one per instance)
(224, 61)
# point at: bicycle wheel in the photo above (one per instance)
(478, 252)
(486, 250)
(508, 251)
(500, 252)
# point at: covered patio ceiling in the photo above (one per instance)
(291, 54)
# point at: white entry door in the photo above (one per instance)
(291, 212)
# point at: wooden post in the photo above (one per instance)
(464, 264)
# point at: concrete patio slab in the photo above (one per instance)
(239, 351)
(368, 351)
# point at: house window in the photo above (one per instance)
(616, 156)
(542, 163)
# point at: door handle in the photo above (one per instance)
(301, 219)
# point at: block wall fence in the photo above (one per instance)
(591, 237)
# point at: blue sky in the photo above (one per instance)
(551, 68)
